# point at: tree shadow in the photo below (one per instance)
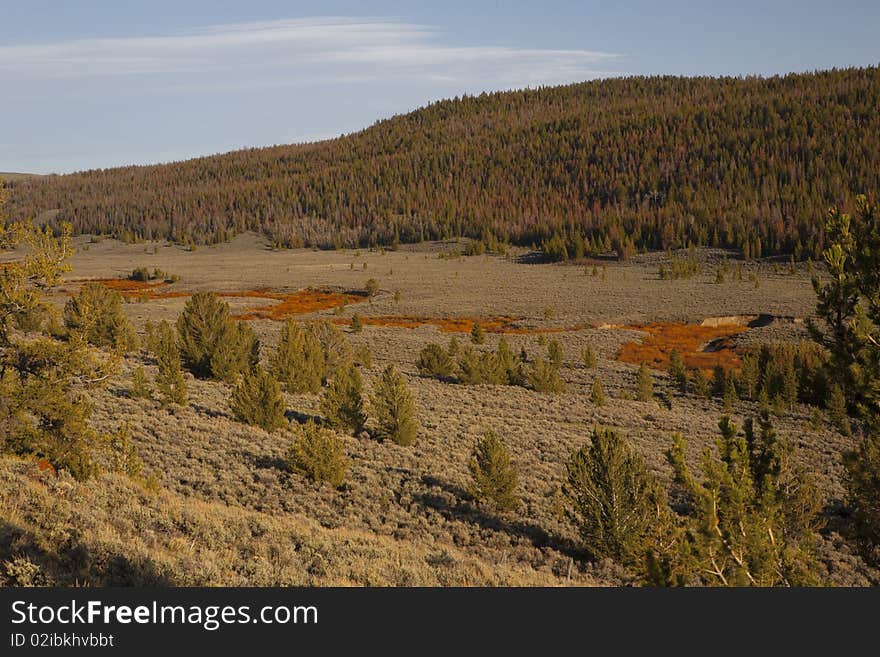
(463, 507)
(72, 562)
(302, 418)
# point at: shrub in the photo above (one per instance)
(298, 360)
(342, 401)
(677, 372)
(494, 477)
(509, 364)
(394, 408)
(96, 312)
(753, 518)
(863, 490)
(611, 498)
(701, 384)
(435, 361)
(124, 454)
(169, 380)
(543, 376)
(597, 392)
(334, 345)
(554, 353)
(478, 336)
(141, 274)
(371, 287)
(319, 454)
(644, 384)
(588, 357)
(140, 387)
(211, 344)
(356, 324)
(257, 400)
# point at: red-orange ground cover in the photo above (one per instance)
(689, 339)
(296, 303)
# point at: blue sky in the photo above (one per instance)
(98, 83)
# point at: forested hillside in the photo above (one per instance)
(622, 164)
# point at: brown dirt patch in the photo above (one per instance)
(691, 341)
(501, 324)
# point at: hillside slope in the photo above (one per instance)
(618, 164)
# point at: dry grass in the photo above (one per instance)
(403, 515)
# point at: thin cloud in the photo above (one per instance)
(332, 48)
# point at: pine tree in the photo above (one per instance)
(298, 361)
(543, 376)
(588, 357)
(701, 384)
(257, 400)
(97, 313)
(790, 385)
(644, 384)
(612, 498)
(318, 454)
(753, 518)
(494, 477)
(140, 387)
(371, 287)
(211, 344)
(169, 380)
(554, 353)
(478, 336)
(44, 411)
(435, 361)
(597, 392)
(677, 372)
(342, 401)
(356, 324)
(394, 409)
(837, 412)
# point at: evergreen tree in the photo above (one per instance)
(701, 384)
(543, 376)
(257, 400)
(554, 353)
(478, 336)
(140, 387)
(318, 454)
(644, 384)
(342, 401)
(612, 498)
(169, 380)
(96, 312)
(753, 518)
(356, 324)
(394, 409)
(597, 392)
(494, 477)
(298, 361)
(435, 361)
(588, 357)
(211, 344)
(677, 372)
(44, 410)
(836, 406)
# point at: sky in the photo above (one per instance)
(98, 83)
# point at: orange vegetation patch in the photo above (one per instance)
(502, 324)
(700, 347)
(296, 303)
(125, 286)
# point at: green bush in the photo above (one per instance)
(211, 344)
(597, 392)
(494, 478)
(140, 386)
(478, 335)
(435, 361)
(169, 380)
(612, 498)
(342, 401)
(394, 409)
(543, 376)
(298, 361)
(588, 357)
(96, 312)
(257, 400)
(318, 454)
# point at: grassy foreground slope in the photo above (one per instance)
(622, 164)
(113, 532)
